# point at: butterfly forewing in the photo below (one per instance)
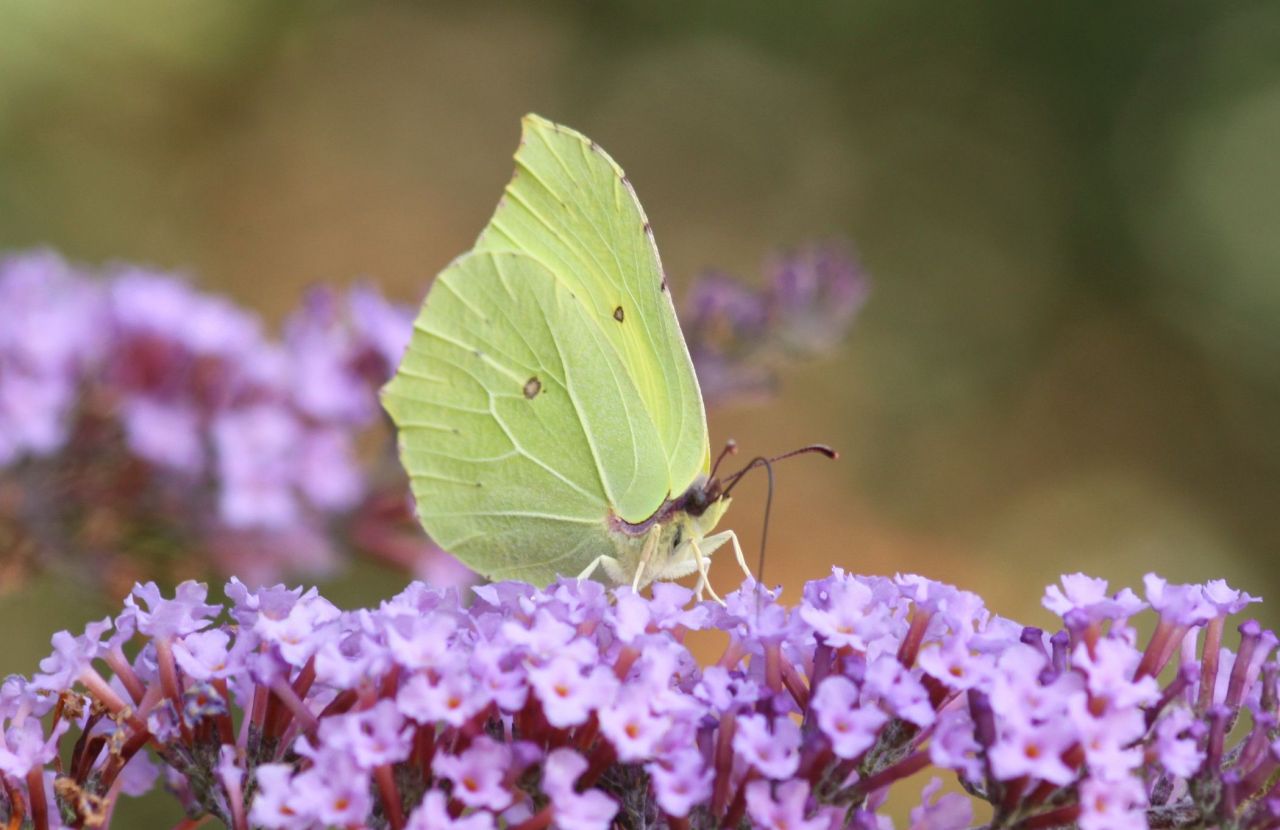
(571, 207)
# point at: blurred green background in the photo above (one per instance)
(1070, 212)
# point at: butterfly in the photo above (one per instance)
(548, 412)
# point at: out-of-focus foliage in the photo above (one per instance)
(1069, 359)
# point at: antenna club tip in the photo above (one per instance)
(825, 450)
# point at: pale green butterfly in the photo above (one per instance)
(548, 412)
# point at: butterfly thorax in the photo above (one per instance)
(667, 545)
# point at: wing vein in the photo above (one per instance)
(582, 422)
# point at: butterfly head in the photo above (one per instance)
(701, 496)
(704, 503)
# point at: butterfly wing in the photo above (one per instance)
(572, 208)
(519, 425)
(547, 385)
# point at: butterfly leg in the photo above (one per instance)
(737, 552)
(716, 540)
(704, 565)
(700, 589)
(646, 554)
(701, 568)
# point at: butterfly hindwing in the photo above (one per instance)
(520, 426)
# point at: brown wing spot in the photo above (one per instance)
(618, 314)
(532, 387)
(664, 284)
(648, 229)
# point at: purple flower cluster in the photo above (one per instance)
(138, 413)
(739, 336)
(53, 331)
(580, 708)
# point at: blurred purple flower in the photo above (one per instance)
(951, 811)
(726, 328)
(255, 447)
(341, 347)
(478, 774)
(738, 336)
(786, 809)
(53, 328)
(814, 295)
(571, 810)
(161, 414)
(772, 749)
(164, 434)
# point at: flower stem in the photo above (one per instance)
(905, 768)
(385, 778)
(1209, 662)
(39, 803)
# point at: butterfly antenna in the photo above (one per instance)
(730, 448)
(764, 536)
(759, 460)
